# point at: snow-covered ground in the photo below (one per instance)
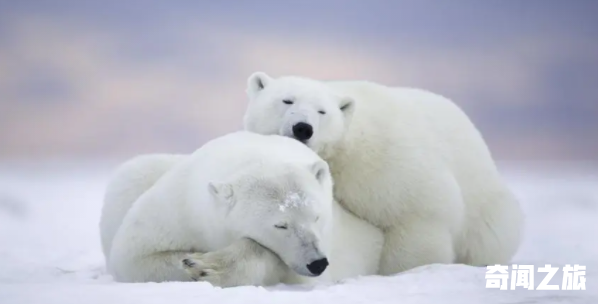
(50, 248)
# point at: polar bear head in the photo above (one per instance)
(286, 208)
(305, 109)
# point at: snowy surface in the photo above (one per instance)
(50, 248)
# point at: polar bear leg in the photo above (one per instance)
(133, 178)
(415, 244)
(242, 263)
(424, 235)
(152, 267)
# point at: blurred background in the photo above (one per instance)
(112, 79)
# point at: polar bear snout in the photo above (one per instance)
(303, 131)
(317, 267)
(306, 260)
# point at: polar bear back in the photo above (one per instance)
(232, 152)
(414, 131)
(408, 121)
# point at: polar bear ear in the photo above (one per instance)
(321, 171)
(222, 191)
(257, 82)
(347, 105)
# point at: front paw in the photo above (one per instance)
(207, 267)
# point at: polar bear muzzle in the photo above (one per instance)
(303, 131)
(317, 267)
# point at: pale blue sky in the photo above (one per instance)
(526, 71)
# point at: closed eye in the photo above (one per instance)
(286, 101)
(322, 112)
(281, 226)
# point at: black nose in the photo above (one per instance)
(303, 131)
(318, 266)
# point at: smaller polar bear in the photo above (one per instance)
(245, 209)
(406, 160)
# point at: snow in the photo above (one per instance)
(50, 248)
(292, 200)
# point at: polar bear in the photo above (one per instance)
(406, 160)
(233, 213)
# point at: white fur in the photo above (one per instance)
(406, 160)
(130, 180)
(208, 208)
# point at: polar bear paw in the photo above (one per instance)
(208, 267)
(243, 263)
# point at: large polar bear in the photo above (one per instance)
(406, 160)
(244, 209)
